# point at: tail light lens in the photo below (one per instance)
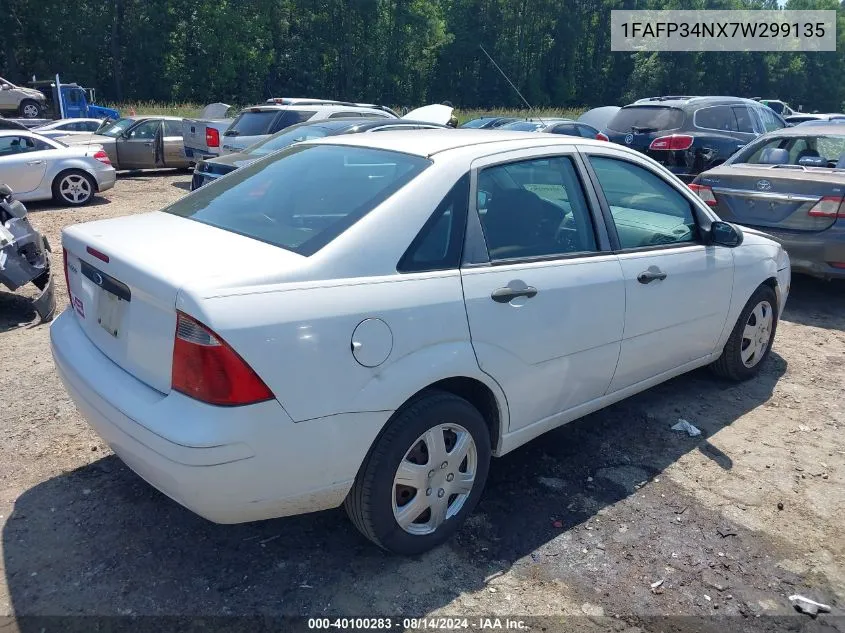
(671, 143)
(102, 157)
(827, 207)
(212, 137)
(705, 193)
(207, 369)
(601, 136)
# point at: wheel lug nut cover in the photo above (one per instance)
(428, 492)
(441, 492)
(444, 464)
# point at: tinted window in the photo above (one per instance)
(89, 126)
(15, 145)
(291, 117)
(534, 208)
(566, 128)
(476, 123)
(303, 197)
(252, 123)
(523, 126)
(646, 210)
(716, 118)
(646, 118)
(146, 130)
(587, 131)
(438, 245)
(172, 128)
(744, 122)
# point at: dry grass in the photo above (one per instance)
(193, 110)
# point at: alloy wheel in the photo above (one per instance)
(756, 335)
(75, 189)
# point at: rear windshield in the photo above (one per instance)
(252, 123)
(523, 126)
(303, 197)
(282, 139)
(642, 119)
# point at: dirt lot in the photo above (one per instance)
(580, 522)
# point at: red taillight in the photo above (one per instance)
(212, 137)
(98, 254)
(207, 369)
(837, 264)
(67, 278)
(601, 136)
(672, 143)
(705, 193)
(827, 207)
(102, 157)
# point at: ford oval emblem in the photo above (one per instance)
(98, 279)
(764, 185)
(629, 138)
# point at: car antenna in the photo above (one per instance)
(524, 100)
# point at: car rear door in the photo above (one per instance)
(677, 289)
(544, 294)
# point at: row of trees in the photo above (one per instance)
(396, 52)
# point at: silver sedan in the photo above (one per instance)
(39, 168)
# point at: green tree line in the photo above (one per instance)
(397, 52)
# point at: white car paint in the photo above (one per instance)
(31, 174)
(68, 127)
(590, 337)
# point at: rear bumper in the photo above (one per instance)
(105, 179)
(196, 153)
(227, 464)
(812, 253)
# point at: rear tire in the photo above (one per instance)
(423, 476)
(74, 188)
(751, 340)
(29, 109)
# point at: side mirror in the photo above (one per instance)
(5, 87)
(725, 234)
(5, 191)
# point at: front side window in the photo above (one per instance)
(534, 208)
(770, 119)
(145, 131)
(172, 128)
(303, 197)
(646, 210)
(744, 120)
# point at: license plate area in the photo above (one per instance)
(112, 298)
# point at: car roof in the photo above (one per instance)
(427, 143)
(683, 101)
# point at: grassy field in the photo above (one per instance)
(192, 110)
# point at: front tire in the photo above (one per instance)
(29, 109)
(751, 339)
(423, 476)
(74, 188)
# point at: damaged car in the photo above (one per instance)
(24, 254)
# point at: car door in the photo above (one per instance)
(136, 150)
(544, 295)
(677, 289)
(174, 146)
(23, 162)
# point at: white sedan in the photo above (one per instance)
(366, 320)
(40, 168)
(68, 127)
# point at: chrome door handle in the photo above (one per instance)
(652, 274)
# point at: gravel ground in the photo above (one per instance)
(582, 521)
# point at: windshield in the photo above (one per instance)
(303, 197)
(475, 123)
(524, 126)
(288, 137)
(818, 150)
(116, 128)
(642, 119)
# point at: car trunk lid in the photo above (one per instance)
(124, 276)
(786, 197)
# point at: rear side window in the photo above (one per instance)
(291, 117)
(252, 123)
(646, 119)
(716, 118)
(303, 197)
(438, 245)
(744, 121)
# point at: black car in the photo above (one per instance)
(689, 135)
(210, 169)
(488, 122)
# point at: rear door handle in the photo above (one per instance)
(506, 294)
(652, 274)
